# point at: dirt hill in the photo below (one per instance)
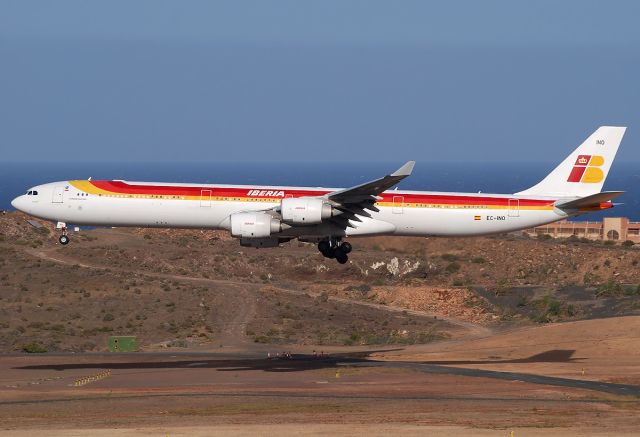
(200, 289)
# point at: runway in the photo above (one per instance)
(364, 388)
(242, 362)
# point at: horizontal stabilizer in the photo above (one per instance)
(592, 201)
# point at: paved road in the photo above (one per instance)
(299, 363)
(619, 389)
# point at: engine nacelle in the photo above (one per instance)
(253, 225)
(305, 211)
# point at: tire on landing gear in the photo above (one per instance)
(326, 249)
(346, 247)
(323, 246)
(335, 249)
(341, 257)
(63, 240)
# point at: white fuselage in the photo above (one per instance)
(417, 213)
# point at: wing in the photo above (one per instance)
(359, 200)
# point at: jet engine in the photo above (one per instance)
(305, 211)
(254, 225)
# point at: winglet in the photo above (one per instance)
(405, 170)
(370, 191)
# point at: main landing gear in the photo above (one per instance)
(334, 248)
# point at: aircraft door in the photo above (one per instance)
(58, 195)
(205, 198)
(514, 207)
(398, 204)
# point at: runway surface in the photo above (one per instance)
(226, 362)
(365, 389)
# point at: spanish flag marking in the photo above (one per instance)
(476, 217)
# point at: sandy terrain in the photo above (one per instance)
(323, 429)
(601, 350)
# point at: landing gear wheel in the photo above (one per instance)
(63, 239)
(346, 247)
(326, 249)
(341, 257)
(323, 246)
(330, 253)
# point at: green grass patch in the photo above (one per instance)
(33, 348)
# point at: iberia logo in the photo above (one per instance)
(587, 169)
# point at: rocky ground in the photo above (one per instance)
(201, 289)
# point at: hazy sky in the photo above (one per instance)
(315, 80)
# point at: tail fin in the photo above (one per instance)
(584, 171)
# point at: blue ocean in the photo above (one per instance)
(15, 178)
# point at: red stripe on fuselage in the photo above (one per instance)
(119, 187)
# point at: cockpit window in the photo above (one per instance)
(35, 193)
(29, 193)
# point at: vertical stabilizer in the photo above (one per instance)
(584, 171)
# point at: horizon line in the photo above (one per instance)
(290, 162)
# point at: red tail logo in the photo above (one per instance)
(586, 169)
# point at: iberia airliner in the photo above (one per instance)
(265, 216)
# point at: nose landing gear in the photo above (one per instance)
(334, 248)
(64, 238)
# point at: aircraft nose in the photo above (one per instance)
(17, 202)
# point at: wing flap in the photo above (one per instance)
(355, 210)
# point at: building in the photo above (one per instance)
(610, 228)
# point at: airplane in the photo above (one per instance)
(266, 216)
